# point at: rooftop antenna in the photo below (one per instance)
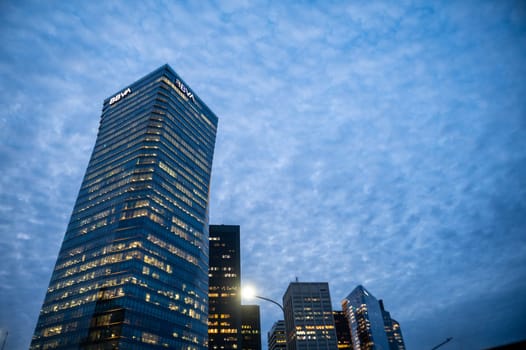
(297, 279)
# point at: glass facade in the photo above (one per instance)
(224, 319)
(132, 272)
(396, 340)
(309, 321)
(366, 320)
(392, 330)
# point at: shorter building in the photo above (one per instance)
(343, 333)
(250, 327)
(309, 322)
(392, 330)
(398, 340)
(276, 337)
(372, 327)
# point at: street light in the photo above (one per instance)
(443, 343)
(249, 293)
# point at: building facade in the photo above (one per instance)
(132, 271)
(397, 340)
(250, 327)
(309, 321)
(392, 330)
(224, 318)
(276, 336)
(371, 326)
(343, 333)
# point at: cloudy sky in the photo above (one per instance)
(360, 142)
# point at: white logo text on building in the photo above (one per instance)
(120, 95)
(184, 89)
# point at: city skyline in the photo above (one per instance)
(361, 142)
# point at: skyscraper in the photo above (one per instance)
(224, 320)
(309, 321)
(276, 336)
(132, 272)
(371, 325)
(250, 327)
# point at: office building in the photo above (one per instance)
(276, 336)
(309, 321)
(132, 272)
(392, 330)
(343, 333)
(224, 319)
(396, 342)
(366, 321)
(371, 325)
(250, 327)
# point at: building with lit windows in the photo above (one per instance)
(224, 319)
(309, 321)
(371, 325)
(276, 336)
(132, 272)
(396, 342)
(392, 330)
(250, 327)
(343, 333)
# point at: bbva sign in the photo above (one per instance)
(120, 95)
(184, 89)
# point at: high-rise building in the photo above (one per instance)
(224, 318)
(392, 330)
(371, 325)
(309, 321)
(276, 336)
(343, 333)
(250, 327)
(132, 272)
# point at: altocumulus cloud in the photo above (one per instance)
(373, 143)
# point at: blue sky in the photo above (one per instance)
(360, 142)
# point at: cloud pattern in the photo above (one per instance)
(359, 143)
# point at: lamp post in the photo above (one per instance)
(272, 301)
(443, 343)
(248, 292)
